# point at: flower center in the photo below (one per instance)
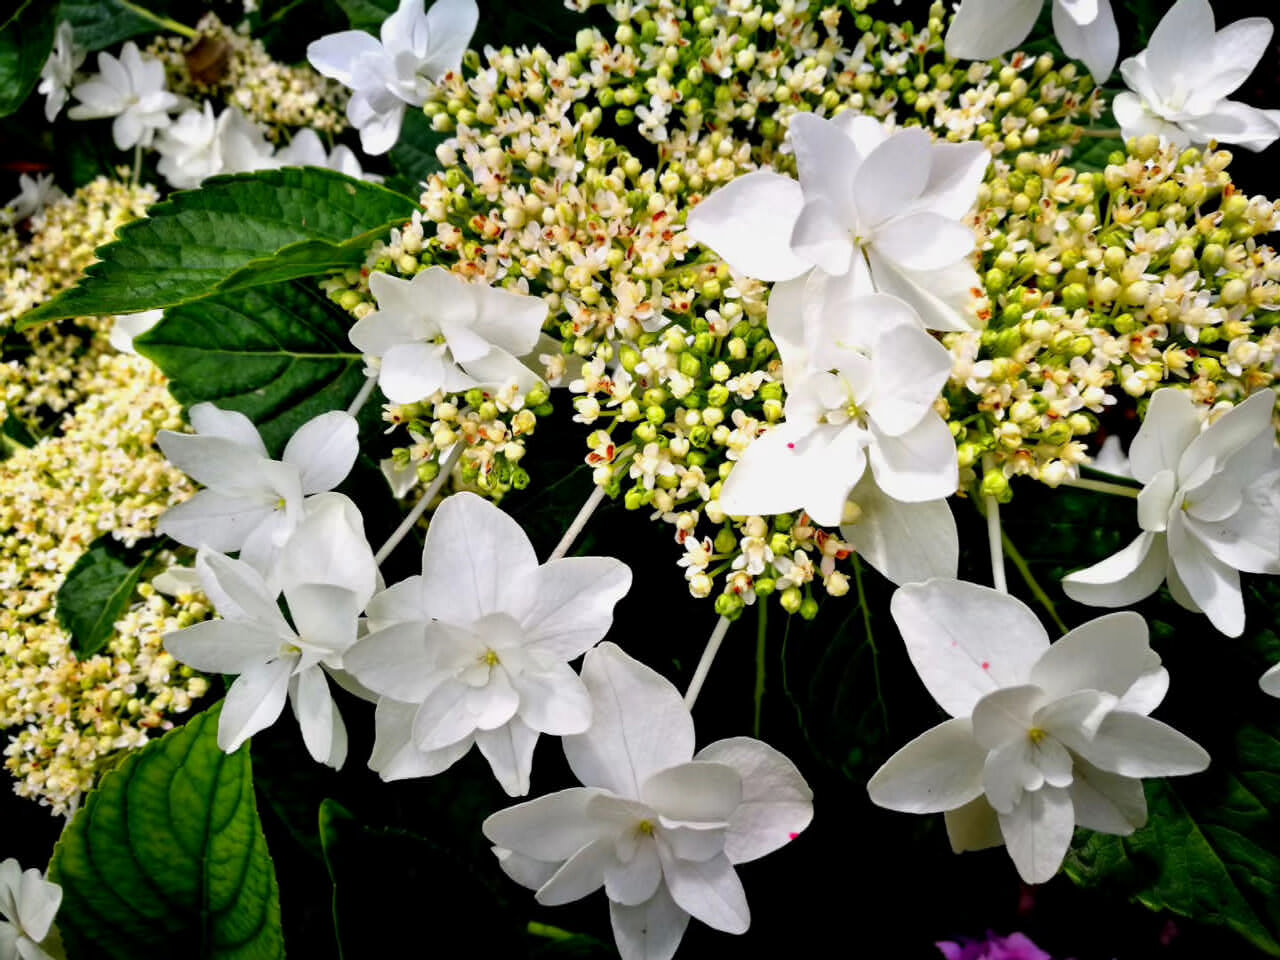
(1035, 735)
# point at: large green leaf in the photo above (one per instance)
(167, 858)
(278, 354)
(233, 233)
(26, 37)
(97, 592)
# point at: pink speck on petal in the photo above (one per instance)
(986, 665)
(792, 836)
(791, 446)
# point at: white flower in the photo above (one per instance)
(130, 325)
(197, 146)
(327, 574)
(416, 51)
(658, 826)
(131, 89)
(873, 210)
(1210, 507)
(986, 29)
(476, 648)
(252, 503)
(872, 407)
(440, 332)
(33, 194)
(58, 71)
(1181, 81)
(1042, 737)
(306, 150)
(29, 902)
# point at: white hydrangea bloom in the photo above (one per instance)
(29, 903)
(131, 89)
(198, 145)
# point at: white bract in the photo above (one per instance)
(441, 332)
(416, 51)
(29, 903)
(1210, 508)
(33, 194)
(1270, 681)
(870, 407)
(872, 211)
(658, 826)
(130, 325)
(306, 150)
(197, 146)
(1181, 81)
(131, 89)
(252, 503)
(59, 70)
(476, 648)
(327, 575)
(986, 29)
(1042, 737)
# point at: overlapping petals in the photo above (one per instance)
(985, 29)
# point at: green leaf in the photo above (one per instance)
(98, 24)
(167, 858)
(26, 37)
(277, 354)
(97, 591)
(233, 233)
(367, 14)
(414, 155)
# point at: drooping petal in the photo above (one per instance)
(939, 770)
(966, 640)
(776, 804)
(553, 700)
(709, 890)
(509, 750)
(1107, 802)
(381, 131)
(318, 716)
(649, 931)
(748, 223)
(1109, 653)
(254, 702)
(581, 874)
(1124, 577)
(906, 542)
(1038, 832)
(395, 756)
(1095, 41)
(918, 465)
(974, 826)
(695, 792)
(571, 604)
(324, 449)
(1211, 584)
(1136, 746)
(635, 881)
(639, 725)
(553, 827)
(525, 871)
(984, 29)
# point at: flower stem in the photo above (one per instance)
(1102, 133)
(871, 639)
(1103, 486)
(179, 28)
(991, 507)
(137, 165)
(362, 396)
(762, 630)
(704, 665)
(420, 507)
(580, 521)
(1032, 583)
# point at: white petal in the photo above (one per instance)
(324, 450)
(819, 239)
(906, 542)
(1211, 584)
(917, 465)
(942, 298)
(1108, 654)
(770, 474)
(923, 241)
(318, 716)
(325, 616)
(239, 592)
(509, 750)
(450, 25)
(223, 646)
(1147, 692)
(910, 369)
(1233, 122)
(507, 319)
(709, 890)
(1240, 426)
(215, 520)
(1074, 719)
(525, 871)
(1124, 577)
(939, 770)
(329, 547)
(395, 756)
(1005, 714)
(984, 29)
(891, 178)
(1170, 426)
(334, 55)
(552, 827)
(826, 161)
(212, 421)
(639, 725)
(1107, 802)
(1097, 42)
(776, 804)
(254, 702)
(553, 700)
(1270, 681)
(411, 372)
(975, 826)
(216, 462)
(748, 224)
(571, 604)
(443, 717)
(966, 640)
(1236, 50)
(637, 880)
(956, 170)
(694, 792)
(395, 662)
(1136, 746)
(380, 133)
(650, 931)
(1038, 832)
(1180, 39)
(580, 875)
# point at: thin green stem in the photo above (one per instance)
(1102, 133)
(871, 640)
(1032, 583)
(1103, 486)
(991, 507)
(180, 28)
(762, 630)
(137, 165)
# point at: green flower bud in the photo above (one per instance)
(726, 541)
(995, 484)
(791, 599)
(729, 606)
(809, 608)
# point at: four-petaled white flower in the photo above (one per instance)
(1181, 81)
(327, 575)
(1210, 507)
(59, 70)
(1042, 737)
(29, 903)
(658, 826)
(131, 89)
(417, 50)
(986, 29)
(441, 332)
(476, 648)
(871, 407)
(252, 503)
(198, 145)
(872, 211)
